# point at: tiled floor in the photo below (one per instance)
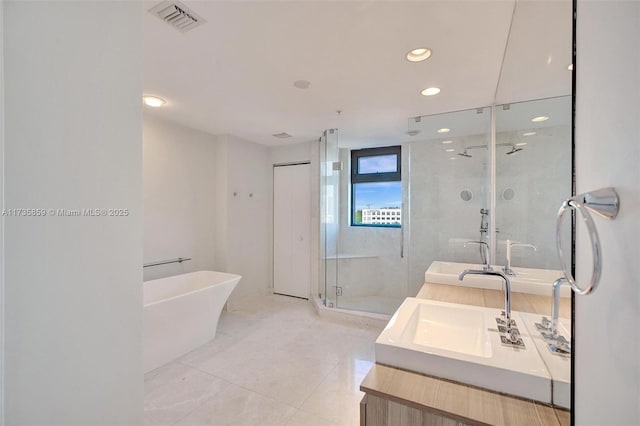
(272, 363)
(378, 304)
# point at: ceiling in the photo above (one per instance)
(235, 74)
(514, 117)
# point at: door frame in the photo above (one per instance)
(273, 218)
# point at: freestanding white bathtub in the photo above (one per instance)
(181, 313)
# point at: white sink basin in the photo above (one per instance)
(525, 280)
(450, 328)
(559, 367)
(462, 343)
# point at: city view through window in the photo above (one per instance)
(378, 203)
(376, 187)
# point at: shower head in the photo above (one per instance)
(465, 154)
(514, 150)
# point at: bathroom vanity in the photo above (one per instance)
(413, 396)
(399, 397)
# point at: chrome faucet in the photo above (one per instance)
(487, 254)
(507, 291)
(557, 343)
(510, 244)
(550, 330)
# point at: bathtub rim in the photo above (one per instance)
(231, 278)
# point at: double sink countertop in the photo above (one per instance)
(465, 402)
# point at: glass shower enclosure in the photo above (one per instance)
(363, 267)
(374, 268)
(469, 178)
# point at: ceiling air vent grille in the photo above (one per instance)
(177, 15)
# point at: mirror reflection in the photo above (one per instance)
(477, 195)
(533, 178)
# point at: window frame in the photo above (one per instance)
(357, 178)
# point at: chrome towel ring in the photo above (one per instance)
(604, 202)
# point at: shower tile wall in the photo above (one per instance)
(440, 220)
(540, 176)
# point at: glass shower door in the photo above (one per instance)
(364, 264)
(329, 230)
(371, 263)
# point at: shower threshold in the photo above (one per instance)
(353, 316)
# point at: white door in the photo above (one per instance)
(607, 146)
(292, 230)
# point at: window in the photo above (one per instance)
(376, 187)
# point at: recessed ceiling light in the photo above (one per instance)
(528, 133)
(430, 91)
(450, 149)
(444, 130)
(570, 67)
(447, 142)
(521, 144)
(452, 158)
(302, 84)
(153, 101)
(282, 135)
(417, 55)
(539, 118)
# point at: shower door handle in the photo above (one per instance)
(402, 231)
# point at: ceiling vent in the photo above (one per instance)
(177, 15)
(282, 135)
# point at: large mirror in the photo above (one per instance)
(480, 186)
(533, 178)
(534, 166)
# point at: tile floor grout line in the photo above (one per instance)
(244, 387)
(264, 396)
(319, 384)
(204, 372)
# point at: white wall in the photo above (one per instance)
(180, 205)
(73, 307)
(246, 243)
(292, 153)
(607, 357)
(190, 178)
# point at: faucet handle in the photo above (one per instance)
(502, 321)
(560, 346)
(513, 334)
(544, 324)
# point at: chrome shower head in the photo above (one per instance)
(514, 150)
(465, 154)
